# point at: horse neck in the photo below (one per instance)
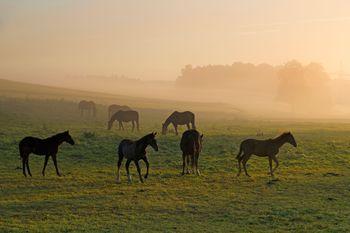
(56, 139)
(168, 121)
(280, 141)
(141, 144)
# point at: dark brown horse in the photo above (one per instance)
(115, 108)
(88, 106)
(263, 148)
(179, 118)
(135, 151)
(47, 147)
(191, 146)
(125, 116)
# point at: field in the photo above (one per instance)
(309, 193)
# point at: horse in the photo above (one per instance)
(179, 118)
(263, 148)
(48, 147)
(88, 106)
(135, 151)
(191, 146)
(115, 108)
(125, 116)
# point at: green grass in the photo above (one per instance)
(310, 193)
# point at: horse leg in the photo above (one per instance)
(239, 160)
(138, 170)
(127, 169)
(193, 162)
(145, 159)
(188, 158)
(244, 162)
(137, 125)
(121, 124)
(120, 160)
(188, 125)
(175, 126)
(45, 164)
(24, 164)
(55, 163)
(276, 161)
(133, 126)
(270, 164)
(183, 163)
(27, 164)
(196, 163)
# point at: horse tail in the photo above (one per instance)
(120, 151)
(240, 152)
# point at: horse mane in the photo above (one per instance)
(56, 136)
(284, 134)
(144, 138)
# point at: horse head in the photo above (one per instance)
(67, 138)
(290, 139)
(152, 141)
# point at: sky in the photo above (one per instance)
(154, 39)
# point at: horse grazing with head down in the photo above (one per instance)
(263, 148)
(191, 146)
(115, 108)
(125, 116)
(179, 118)
(135, 151)
(47, 147)
(88, 106)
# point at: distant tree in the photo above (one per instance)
(305, 88)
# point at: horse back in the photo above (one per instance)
(257, 147)
(183, 118)
(190, 142)
(127, 149)
(36, 145)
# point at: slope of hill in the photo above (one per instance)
(34, 91)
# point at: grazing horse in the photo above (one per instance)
(263, 148)
(115, 108)
(191, 146)
(135, 151)
(88, 106)
(179, 118)
(125, 116)
(47, 147)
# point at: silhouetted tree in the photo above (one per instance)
(305, 88)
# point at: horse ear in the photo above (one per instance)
(155, 133)
(202, 135)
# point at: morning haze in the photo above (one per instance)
(262, 57)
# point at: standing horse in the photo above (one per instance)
(47, 147)
(191, 146)
(115, 108)
(125, 116)
(179, 118)
(88, 106)
(263, 148)
(135, 151)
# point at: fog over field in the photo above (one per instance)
(269, 59)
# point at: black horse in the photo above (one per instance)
(47, 147)
(135, 151)
(191, 146)
(263, 148)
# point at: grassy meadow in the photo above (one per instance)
(309, 193)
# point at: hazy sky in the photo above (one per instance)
(154, 39)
